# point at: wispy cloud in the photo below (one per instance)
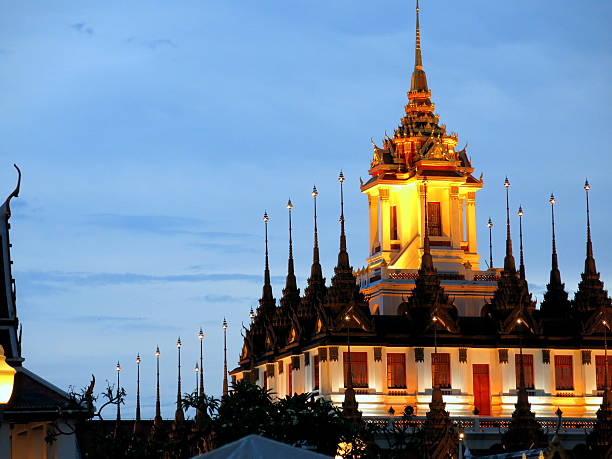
(82, 28)
(99, 279)
(211, 298)
(152, 44)
(120, 322)
(161, 224)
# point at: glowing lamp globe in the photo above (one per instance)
(7, 378)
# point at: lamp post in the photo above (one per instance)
(225, 325)
(461, 438)
(490, 226)
(138, 360)
(252, 314)
(519, 321)
(118, 420)
(158, 418)
(201, 338)
(520, 214)
(348, 345)
(434, 319)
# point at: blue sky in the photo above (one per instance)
(153, 135)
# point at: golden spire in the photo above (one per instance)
(419, 79)
(418, 59)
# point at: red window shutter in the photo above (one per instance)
(359, 364)
(600, 371)
(434, 219)
(393, 225)
(440, 367)
(564, 372)
(290, 379)
(527, 369)
(265, 380)
(396, 370)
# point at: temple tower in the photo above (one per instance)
(421, 149)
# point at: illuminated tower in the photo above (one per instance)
(421, 148)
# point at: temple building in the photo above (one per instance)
(35, 409)
(423, 324)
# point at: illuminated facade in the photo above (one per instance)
(422, 316)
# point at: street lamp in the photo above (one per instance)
(201, 337)
(225, 325)
(7, 378)
(490, 226)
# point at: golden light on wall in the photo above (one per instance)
(7, 378)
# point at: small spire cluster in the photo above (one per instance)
(320, 310)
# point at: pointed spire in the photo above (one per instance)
(118, 418)
(438, 434)
(524, 431)
(350, 407)
(555, 299)
(179, 416)
(225, 388)
(158, 419)
(315, 251)
(490, 226)
(201, 338)
(316, 283)
(509, 265)
(589, 263)
(419, 79)
(267, 288)
(343, 259)
(591, 294)
(522, 262)
(290, 292)
(138, 360)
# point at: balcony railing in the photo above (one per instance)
(483, 423)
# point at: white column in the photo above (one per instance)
(471, 221)
(455, 221)
(373, 213)
(384, 220)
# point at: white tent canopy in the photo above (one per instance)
(257, 447)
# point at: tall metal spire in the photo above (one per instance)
(201, 338)
(343, 260)
(138, 360)
(179, 416)
(509, 265)
(419, 79)
(522, 262)
(555, 299)
(291, 283)
(490, 226)
(315, 250)
(591, 294)
(554, 272)
(158, 419)
(418, 58)
(267, 288)
(118, 420)
(589, 263)
(225, 388)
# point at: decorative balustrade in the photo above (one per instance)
(482, 423)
